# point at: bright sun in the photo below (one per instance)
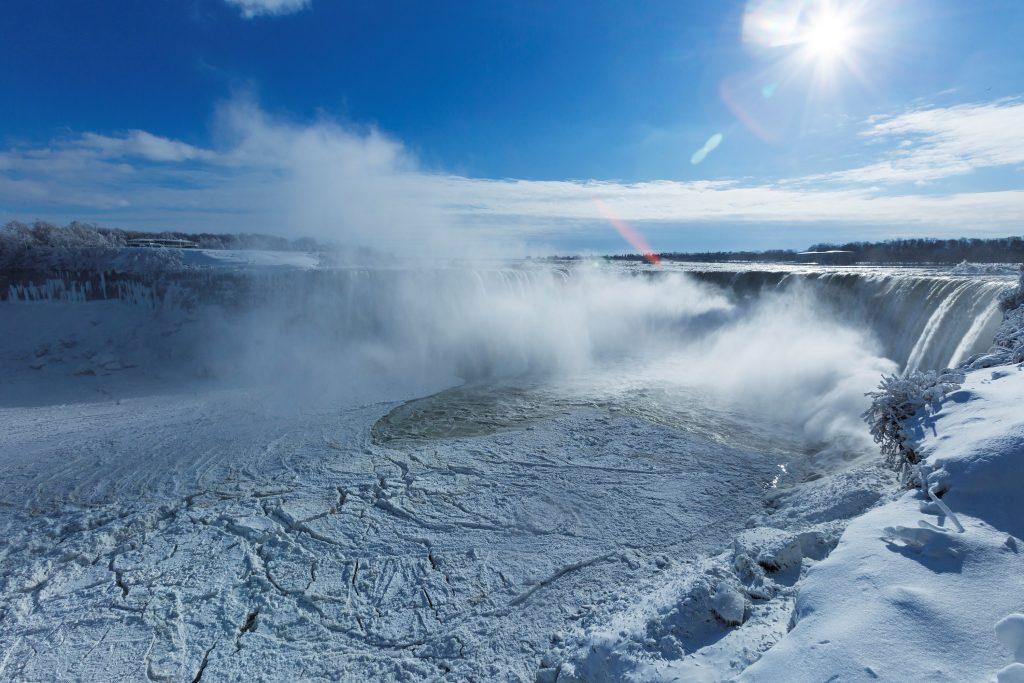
(828, 37)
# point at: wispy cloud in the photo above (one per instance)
(931, 144)
(268, 8)
(323, 179)
(139, 143)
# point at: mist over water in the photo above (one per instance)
(761, 356)
(776, 361)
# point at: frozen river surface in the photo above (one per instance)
(214, 534)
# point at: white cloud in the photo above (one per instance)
(943, 142)
(263, 174)
(537, 206)
(335, 182)
(268, 8)
(139, 143)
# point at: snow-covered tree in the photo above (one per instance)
(900, 397)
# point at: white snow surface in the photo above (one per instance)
(905, 596)
(249, 258)
(160, 521)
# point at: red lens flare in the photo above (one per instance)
(628, 233)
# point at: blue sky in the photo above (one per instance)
(504, 124)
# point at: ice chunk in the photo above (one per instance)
(773, 549)
(1010, 632)
(729, 604)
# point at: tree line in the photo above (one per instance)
(87, 235)
(908, 250)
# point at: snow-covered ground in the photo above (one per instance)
(196, 492)
(927, 584)
(198, 528)
(249, 258)
(908, 594)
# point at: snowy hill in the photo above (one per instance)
(909, 595)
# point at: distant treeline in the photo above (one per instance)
(19, 238)
(40, 247)
(771, 256)
(926, 250)
(86, 235)
(918, 250)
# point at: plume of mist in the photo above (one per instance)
(785, 357)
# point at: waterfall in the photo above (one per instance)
(920, 319)
(975, 337)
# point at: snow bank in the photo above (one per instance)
(709, 620)
(931, 584)
(924, 584)
(967, 268)
(905, 596)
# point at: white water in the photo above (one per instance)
(799, 348)
(790, 345)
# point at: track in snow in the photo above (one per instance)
(211, 536)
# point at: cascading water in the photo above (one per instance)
(494, 319)
(710, 351)
(922, 320)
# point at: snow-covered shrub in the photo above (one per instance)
(899, 398)
(148, 261)
(1015, 297)
(44, 247)
(1008, 345)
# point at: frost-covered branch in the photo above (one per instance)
(1015, 297)
(934, 496)
(899, 398)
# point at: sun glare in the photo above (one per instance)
(828, 36)
(822, 39)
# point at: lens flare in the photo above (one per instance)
(713, 142)
(628, 232)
